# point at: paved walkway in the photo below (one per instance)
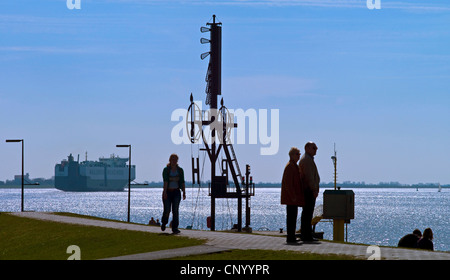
(220, 241)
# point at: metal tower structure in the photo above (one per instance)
(220, 123)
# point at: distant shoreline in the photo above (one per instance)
(258, 186)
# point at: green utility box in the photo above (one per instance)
(339, 205)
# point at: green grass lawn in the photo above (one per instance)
(30, 239)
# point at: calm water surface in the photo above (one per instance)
(382, 216)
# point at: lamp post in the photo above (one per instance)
(334, 159)
(129, 176)
(15, 141)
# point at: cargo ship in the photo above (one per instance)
(107, 174)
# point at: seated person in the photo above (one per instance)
(152, 222)
(410, 240)
(426, 241)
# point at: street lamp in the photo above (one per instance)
(15, 141)
(129, 176)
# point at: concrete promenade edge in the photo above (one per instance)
(222, 241)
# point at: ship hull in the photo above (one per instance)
(89, 176)
(88, 185)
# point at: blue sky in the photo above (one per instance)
(375, 82)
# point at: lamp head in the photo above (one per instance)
(13, 140)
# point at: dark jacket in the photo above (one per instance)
(408, 241)
(291, 186)
(166, 175)
(310, 175)
(425, 243)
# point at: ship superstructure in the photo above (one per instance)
(107, 174)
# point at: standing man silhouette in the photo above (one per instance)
(310, 179)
